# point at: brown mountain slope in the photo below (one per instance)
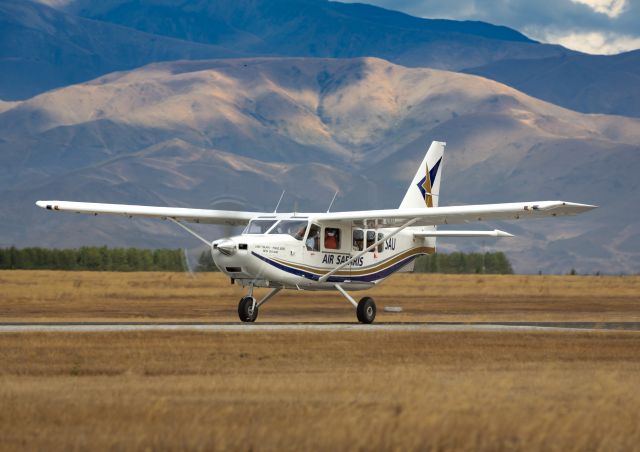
(209, 132)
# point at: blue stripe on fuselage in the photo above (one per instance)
(365, 278)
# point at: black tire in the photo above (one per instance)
(244, 310)
(366, 310)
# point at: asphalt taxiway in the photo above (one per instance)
(98, 327)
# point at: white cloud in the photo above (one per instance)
(612, 8)
(54, 3)
(595, 42)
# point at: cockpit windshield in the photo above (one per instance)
(295, 228)
(258, 226)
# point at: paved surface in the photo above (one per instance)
(90, 327)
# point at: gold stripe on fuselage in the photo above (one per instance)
(364, 271)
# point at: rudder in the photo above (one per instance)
(425, 186)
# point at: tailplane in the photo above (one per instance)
(425, 186)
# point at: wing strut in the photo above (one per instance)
(324, 277)
(190, 231)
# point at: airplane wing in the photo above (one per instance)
(206, 216)
(459, 214)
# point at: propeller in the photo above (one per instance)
(223, 202)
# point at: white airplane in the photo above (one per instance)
(343, 251)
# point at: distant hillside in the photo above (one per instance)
(586, 83)
(320, 28)
(236, 132)
(42, 48)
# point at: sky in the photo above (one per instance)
(591, 26)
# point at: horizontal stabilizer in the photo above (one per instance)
(494, 233)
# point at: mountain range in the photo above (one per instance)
(219, 104)
(43, 48)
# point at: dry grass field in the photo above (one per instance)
(97, 296)
(319, 390)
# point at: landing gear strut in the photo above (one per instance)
(365, 309)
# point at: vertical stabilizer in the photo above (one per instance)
(425, 186)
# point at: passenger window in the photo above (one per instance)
(371, 239)
(358, 239)
(381, 246)
(332, 238)
(313, 239)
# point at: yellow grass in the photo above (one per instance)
(50, 295)
(320, 390)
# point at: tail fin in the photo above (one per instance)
(425, 186)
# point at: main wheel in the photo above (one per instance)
(366, 310)
(246, 311)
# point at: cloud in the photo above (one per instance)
(612, 8)
(593, 26)
(54, 3)
(594, 42)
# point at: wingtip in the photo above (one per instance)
(42, 204)
(500, 233)
(584, 207)
(580, 205)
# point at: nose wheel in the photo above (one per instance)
(248, 309)
(248, 306)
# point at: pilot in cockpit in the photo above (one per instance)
(313, 240)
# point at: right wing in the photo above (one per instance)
(206, 216)
(432, 216)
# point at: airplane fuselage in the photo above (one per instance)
(265, 255)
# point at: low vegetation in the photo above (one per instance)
(491, 263)
(92, 258)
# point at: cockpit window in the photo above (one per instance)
(258, 226)
(295, 228)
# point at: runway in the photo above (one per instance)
(99, 327)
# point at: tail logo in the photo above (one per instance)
(427, 182)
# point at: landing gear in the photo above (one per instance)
(248, 306)
(366, 310)
(248, 309)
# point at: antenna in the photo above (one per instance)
(334, 198)
(279, 200)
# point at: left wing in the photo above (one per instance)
(459, 214)
(230, 217)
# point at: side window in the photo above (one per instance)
(313, 239)
(332, 238)
(381, 246)
(358, 240)
(371, 239)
